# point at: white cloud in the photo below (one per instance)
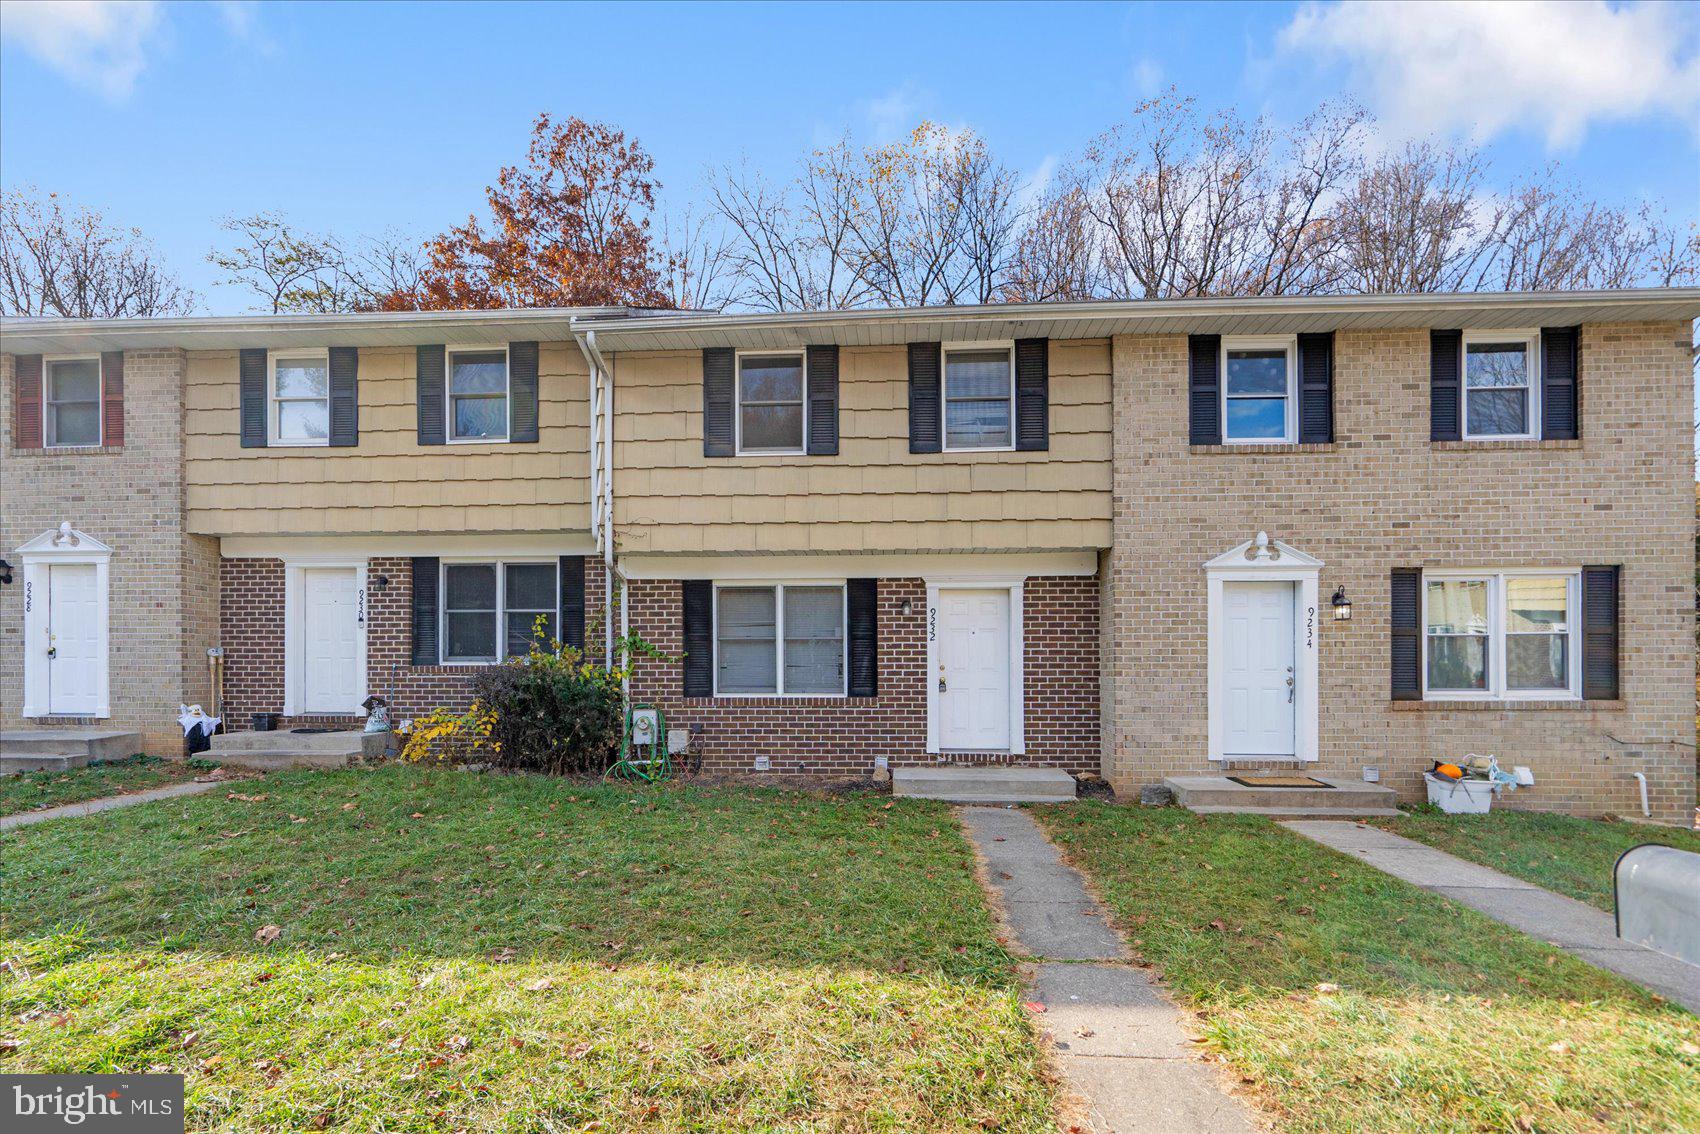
(1146, 77)
(102, 44)
(241, 18)
(893, 114)
(1482, 68)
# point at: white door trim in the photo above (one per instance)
(1276, 563)
(1015, 585)
(63, 545)
(293, 619)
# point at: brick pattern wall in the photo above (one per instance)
(841, 736)
(1382, 496)
(814, 735)
(163, 582)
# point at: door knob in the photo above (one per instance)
(53, 651)
(941, 685)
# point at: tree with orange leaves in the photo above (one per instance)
(571, 229)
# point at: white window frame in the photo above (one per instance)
(501, 565)
(449, 353)
(738, 402)
(1287, 343)
(1497, 689)
(778, 586)
(1531, 340)
(945, 351)
(47, 403)
(272, 400)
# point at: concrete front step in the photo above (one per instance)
(983, 783)
(62, 749)
(270, 751)
(1219, 795)
(1275, 811)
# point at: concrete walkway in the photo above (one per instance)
(1576, 927)
(92, 806)
(1118, 1040)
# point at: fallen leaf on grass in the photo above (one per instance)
(578, 1051)
(1689, 1048)
(540, 985)
(1559, 1048)
(349, 806)
(1033, 1006)
(1326, 986)
(456, 1043)
(503, 955)
(8, 1044)
(211, 1062)
(266, 934)
(246, 798)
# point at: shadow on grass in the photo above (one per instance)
(440, 863)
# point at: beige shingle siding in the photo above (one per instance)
(389, 483)
(874, 495)
(1384, 496)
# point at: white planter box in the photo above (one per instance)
(1463, 797)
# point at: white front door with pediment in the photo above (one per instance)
(1258, 679)
(76, 640)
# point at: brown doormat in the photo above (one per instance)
(1279, 781)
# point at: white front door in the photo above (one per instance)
(75, 666)
(1259, 677)
(973, 670)
(330, 659)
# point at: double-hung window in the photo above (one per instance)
(300, 410)
(1259, 402)
(493, 611)
(779, 640)
(979, 396)
(770, 403)
(71, 409)
(1501, 396)
(1501, 635)
(478, 394)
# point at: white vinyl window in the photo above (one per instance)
(1507, 635)
(1501, 396)
(781, 640)
(979, 396)
(299, 412)
(71, 403)
(771, 417)
(1259, 396)
(477, 391)
(491, 611)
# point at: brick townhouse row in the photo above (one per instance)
(1134, 538)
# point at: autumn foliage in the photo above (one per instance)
(569, 229)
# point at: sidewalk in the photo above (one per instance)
(92, 806)
(1119, 1042)
(1577, 928)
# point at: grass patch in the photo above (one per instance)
(518, 953)
(1438, 1019)
(33, 791)
(1561, 852)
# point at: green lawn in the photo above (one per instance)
(481, 953)
(1572, 856)
(34, 790)
(1351, 1001)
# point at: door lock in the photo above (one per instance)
(941, 685)
(53, 651)
(1289, 685)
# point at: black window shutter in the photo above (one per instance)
(698, 601)
(718, 436)
(1204, 389)
(822, 368)
(861, 598)
(1316, 389)
(1032, 394)
(1405, 614)
(522, 391)
(1560, 371)
(251, 377)
(924, 423)
(1445, 360)
(425, 610)
(1601, 599)
(572, 601)
(345, 395)
(428, 391)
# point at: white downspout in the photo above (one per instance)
(1646, 812)
(602, 479)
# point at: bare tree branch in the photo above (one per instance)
(76, 266)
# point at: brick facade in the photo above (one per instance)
(814, 735)
(1383, 496)
(163, 581)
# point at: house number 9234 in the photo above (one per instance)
(1310, 628)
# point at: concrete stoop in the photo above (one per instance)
(1218, 795)
(62, 749)
(983, 783)
(271, 751)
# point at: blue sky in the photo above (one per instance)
(355, 118)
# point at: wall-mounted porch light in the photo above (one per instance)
(5, 571)
(1342, 605)
(906, 608)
